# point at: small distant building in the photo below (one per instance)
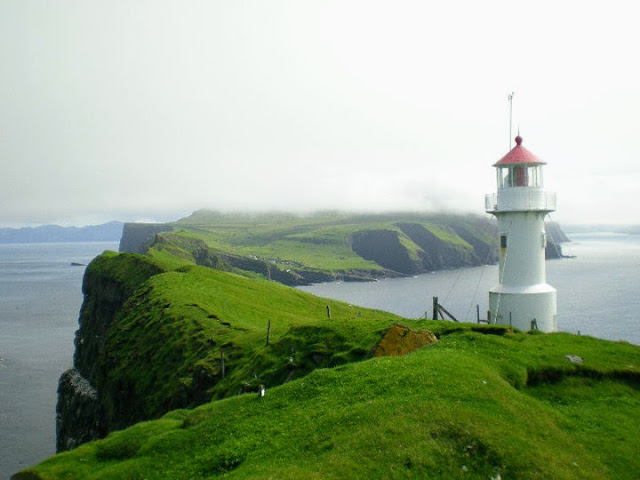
(522, 299)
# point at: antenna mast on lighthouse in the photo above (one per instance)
(510, 98)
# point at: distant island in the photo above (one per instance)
(107, 232)
(326, 246)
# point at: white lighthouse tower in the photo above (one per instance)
(523, 299)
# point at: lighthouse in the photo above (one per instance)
(522, 298)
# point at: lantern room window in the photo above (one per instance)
(519, 176)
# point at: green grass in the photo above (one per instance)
(318, 242)
(446, 235)
(473, 405)
(164, 350)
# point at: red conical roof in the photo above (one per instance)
(519, 154)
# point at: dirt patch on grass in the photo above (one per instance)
(401, 339)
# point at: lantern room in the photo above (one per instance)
(520, 183)
(519, 168)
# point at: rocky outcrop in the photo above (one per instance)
(79, 418)
(401, 339)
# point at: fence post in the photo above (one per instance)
(268, 331)
(435, 308)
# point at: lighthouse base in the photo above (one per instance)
(524, 308)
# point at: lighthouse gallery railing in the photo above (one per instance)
(520, 199)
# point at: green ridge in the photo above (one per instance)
(473, 405)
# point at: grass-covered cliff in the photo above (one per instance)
(154, 334)
(298, 250)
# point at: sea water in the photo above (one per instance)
(598, 289)
(40, 298)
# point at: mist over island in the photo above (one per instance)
(107, 232)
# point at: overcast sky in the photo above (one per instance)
(151, 109)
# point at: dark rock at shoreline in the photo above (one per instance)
(78, 415)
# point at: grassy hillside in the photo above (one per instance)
(154, 336)
(165, 349)
(301, 249)
(473, 405)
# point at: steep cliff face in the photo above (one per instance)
(108, 283)
(436, 253)
(553, 250)
(384, 248)
(393, 250)
(137, 236)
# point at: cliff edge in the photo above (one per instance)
(109, 281)
(155, 337)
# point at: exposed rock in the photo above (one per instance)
(486, 251)
(575, 359)
(401, 339)
(436, 253)
(136, 237)
(555, 238)
(77, 400)
(384, 248)
(555, 233)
